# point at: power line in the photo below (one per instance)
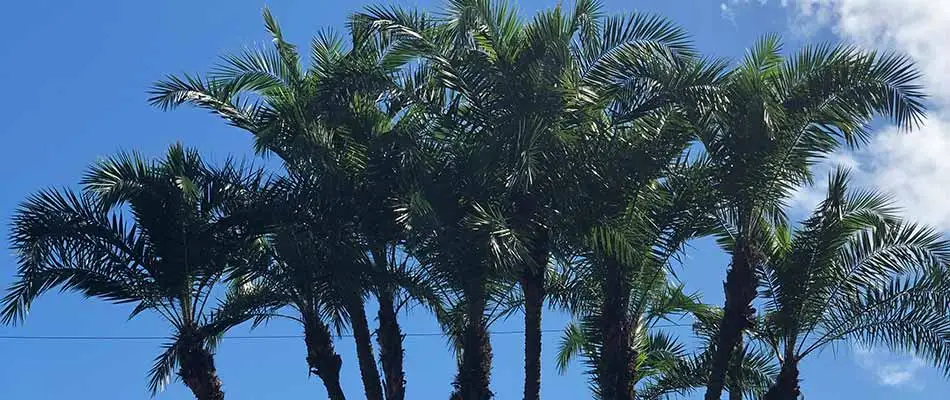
(264, 337)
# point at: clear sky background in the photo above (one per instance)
(74, 75)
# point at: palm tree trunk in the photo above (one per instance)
(532, 283)
(786, 386)
(199, 374)
(617, 370)
(322, 358)
(738, 315)
(364, 352)
(474, 375)
(391, 350)
(735, 373)
(735, 395)
(533, 286)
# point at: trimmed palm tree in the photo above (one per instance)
(159, 235)
(752, 369)
(853, 271)
(445, 240)
(777, 117)
(340, 121)
(522, 95)
(627, 225)
(315, 271)
(646, 351)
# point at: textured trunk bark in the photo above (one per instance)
(474, 375)
(738, 315)
(322, 358)
(735, 372)
(735, 395)
(532, 282)
(617, 367)
(533, 286)
(199, 374)
(364, 352)
(390, 348)
(786, 386)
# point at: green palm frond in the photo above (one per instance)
(907, 315)
(69, 240)
(855, 271)
(674, 302)
(659, 352)
(287, 51)
(573, 343)
(624, 40)
(326, 50)
(118, 177)
(845, 86)
(223, 98)
(763, 57)
(253, 70)
(165, 365)
(505, 244)
(159, 234)
(757, 372)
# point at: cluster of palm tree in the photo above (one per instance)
(481, 165)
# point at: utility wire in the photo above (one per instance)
(239, 337)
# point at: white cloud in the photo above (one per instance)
(914, 166)
(727, 13)
(728, 9)
(807, 198)
(890, 370)
(918, 28)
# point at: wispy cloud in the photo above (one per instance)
(807, 198)
(911, 166)
(727, 13)
(889, 370)
(728, 9)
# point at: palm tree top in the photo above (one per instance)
(156, 234)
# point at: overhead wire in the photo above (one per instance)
(244, 337)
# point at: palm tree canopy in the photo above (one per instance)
(855, 271)
(754, 365)
(158, 234)
(777, 116)
(472, 138)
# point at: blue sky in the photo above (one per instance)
(75, 78)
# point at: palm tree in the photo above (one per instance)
(752, 369)
(636, 212)
(327, 124)
(159, 235)
(647, 352)
(315, 270)
(854, 271)
(443, 237)
(523, 94)
(778, 116)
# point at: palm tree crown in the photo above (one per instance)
(854, 271)
(485, 164)
(775, 119)
(159, 235)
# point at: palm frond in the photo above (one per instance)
(287, 51)
(165, 365)
(220, 97)
(573, 342)
(69, 240)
